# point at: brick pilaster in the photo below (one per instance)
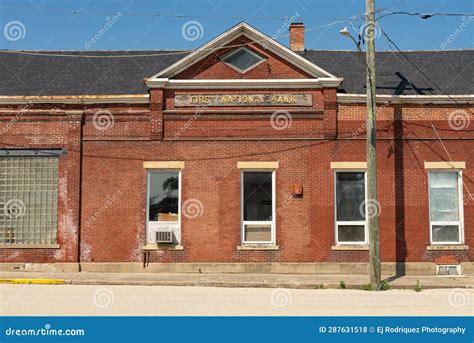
(330, 113)
(156, 112)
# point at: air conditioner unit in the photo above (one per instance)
(164, 236)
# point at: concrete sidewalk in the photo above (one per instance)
(297, 281)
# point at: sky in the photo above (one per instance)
(188, 24)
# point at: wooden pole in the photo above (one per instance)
(372, 204)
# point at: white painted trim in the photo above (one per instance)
(241, 83)
(76, 99)
(406, 99)
(460, 222)
(243, 222)
(355, 223)
(251, 33)
(147, 230)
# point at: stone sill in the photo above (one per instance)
(154, 247)
(447, 247)
(350, 247)
(30, 246)
(257, 247)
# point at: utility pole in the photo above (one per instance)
(372, 199)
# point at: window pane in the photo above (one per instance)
(258, 196)
(444, 197)
(28, 200)
(242, 59)
(351, 233)
(445, 233)
(258, 233)
(350, 195)
(163, 196)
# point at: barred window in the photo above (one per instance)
(28, 200)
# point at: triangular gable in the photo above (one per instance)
(243, 29)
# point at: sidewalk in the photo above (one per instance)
(299, 281)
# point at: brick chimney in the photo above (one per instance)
(297, 37)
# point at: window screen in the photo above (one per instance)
(444, 207)
(28, 200)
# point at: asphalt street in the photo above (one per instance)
(107, 300)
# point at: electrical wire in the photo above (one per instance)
(424, 15)
(262, 41)
(391, 42)
(143, 14)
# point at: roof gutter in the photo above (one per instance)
(242, 83)
(76, 99)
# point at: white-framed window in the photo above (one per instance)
(242, 59)
(350, 207)
(258, 206)
(164, 204)
(446, 210)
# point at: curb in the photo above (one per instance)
(33, 281)
(227, 284)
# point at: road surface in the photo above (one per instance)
(85, 300)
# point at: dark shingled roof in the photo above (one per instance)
(21, 74)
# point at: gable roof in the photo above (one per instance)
(243, 29)
(38, 74)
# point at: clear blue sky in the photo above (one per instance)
(66, 31)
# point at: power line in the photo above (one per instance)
(391, 42)
(424, 15)
(262, 41)
(144, 14)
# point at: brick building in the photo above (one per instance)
(243, 155)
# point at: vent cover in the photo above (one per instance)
(448, 270)
(164, 236)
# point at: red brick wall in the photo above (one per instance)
(305, 227)
(114, 184)
(211, 67)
